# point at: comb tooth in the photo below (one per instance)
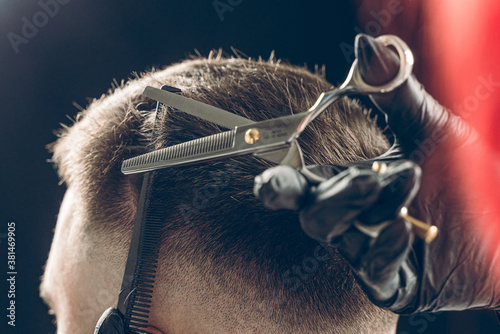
(217, 146)
(142, 305)
(167, 154)
(141, 300)
(195, 148)
(134, 319)
(152, 234)
(185, 147)
(149, 270)
(190, 150)
(145, 276)
(207, 145)
(147, 263)
(139, 311)
(200, 148)
(148, 267)
(173, 152)
(139, 314)
(138, 318)
(145, 281)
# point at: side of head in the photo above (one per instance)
(227, 264)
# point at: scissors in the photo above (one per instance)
(274, 140)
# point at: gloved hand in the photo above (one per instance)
(397, 271)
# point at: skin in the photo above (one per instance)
(71, 275)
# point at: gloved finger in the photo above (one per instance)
(281, 187)
(399, 186)
(413, 115)
(335, 203)
(377, 63)
(378, 263)
(353, 245)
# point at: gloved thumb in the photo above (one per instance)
(281, 187)
(413, 115)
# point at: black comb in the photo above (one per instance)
(136, 292)
(137, 286)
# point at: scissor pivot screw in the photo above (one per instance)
(252, 136)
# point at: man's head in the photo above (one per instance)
(227, 264)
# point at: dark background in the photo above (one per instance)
(78, 52)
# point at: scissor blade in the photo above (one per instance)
(196, 108)
(270, 136)
(206, 148)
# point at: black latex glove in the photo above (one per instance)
(405, 276)
(357, 211)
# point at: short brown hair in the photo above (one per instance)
(212, 220)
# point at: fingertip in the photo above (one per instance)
(281, 187)
(378, 64)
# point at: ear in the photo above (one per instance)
(152, 330)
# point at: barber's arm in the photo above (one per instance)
(357, 209)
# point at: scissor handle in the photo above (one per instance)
(354, 83)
